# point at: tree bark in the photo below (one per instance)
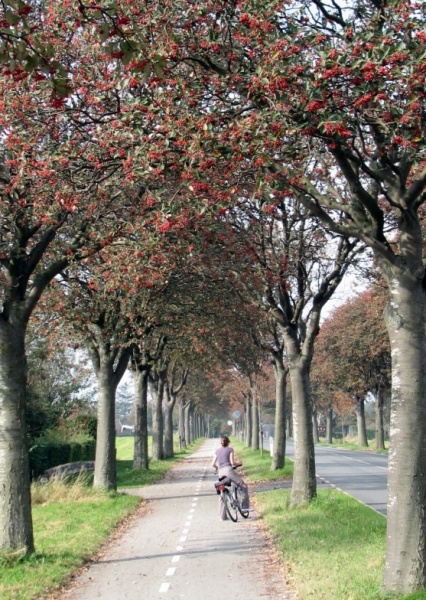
(278, 456)
(174, 382)
(254, 421)
(315, 424)
(157, 389)
(110, 364)
(249, 427)
(380, 431)
(405, 564)
(16, 529)
(289, 424)
(360, 419)
(191, 415)
(304, 486)
(169, 404)
(329, 426)
(181, 422)
(105, 462)
(187, 422)
(140, 455)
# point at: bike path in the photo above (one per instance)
(179, 548)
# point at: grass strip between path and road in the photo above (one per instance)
(332, 549)
(71, 523)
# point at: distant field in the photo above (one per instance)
(125, 446)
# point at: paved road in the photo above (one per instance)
(179, 549)
(362, 475)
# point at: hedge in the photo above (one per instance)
(45, 455)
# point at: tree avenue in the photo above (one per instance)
(315, 100)
(327, 101)
(289, 266)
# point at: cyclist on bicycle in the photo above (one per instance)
(224, 461)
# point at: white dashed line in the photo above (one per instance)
(171, 570)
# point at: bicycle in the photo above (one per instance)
(231, 499)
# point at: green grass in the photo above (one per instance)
(67, 533)
(71, 522)
(352, 444)
(332, 549)
(127, 477)
(257, 467)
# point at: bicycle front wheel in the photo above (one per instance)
(230, 509)
(243, 513)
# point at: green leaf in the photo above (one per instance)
(146, 73)
(11, 17)
(32, 62)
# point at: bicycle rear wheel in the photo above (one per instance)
(230, 509)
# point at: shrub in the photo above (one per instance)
(46, 454)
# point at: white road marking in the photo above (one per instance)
(164, 587)
(170, 571)
(175, 558)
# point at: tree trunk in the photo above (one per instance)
(16, 529)
(405, 564)
(195, 425)
(304, 486)
(187, 421)
(181, 423)
(380, 432)
(191, 424)
(140, 455)
(249, 426)
(157, 418)
(105, 463)
(278, 457)
(110, 363)
(289, 424)
(254, 422)
(315, 425)
(169, 404)
(329, 426)
(360, 420)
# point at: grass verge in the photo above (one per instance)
(68, 530)
(351, 443)
(127, 477)
(71, 522)
(332, 549)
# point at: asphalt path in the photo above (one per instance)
(362, 475)
(177, 547)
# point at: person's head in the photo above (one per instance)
(224, 441)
